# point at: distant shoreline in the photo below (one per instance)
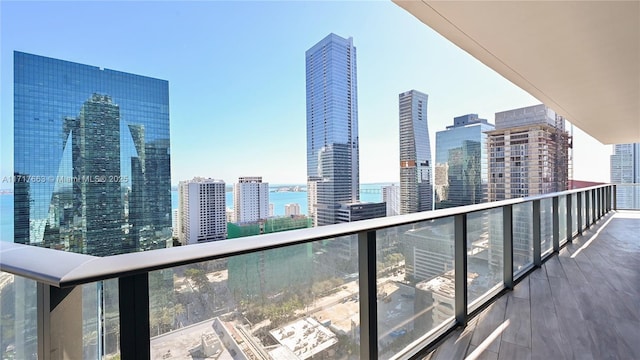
(272, 187)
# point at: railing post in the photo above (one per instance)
(569, 206)
(537, 238)
(579, 213)
(594, 214)
(460, 251)
(614, 195)
(507, 245)
(133, 292)
(59, 322)
(587, 209)
(556, 224)
(368, 295)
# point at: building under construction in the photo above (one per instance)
(528, 153)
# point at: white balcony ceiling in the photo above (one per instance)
(581, 58)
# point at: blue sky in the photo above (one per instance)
(237, 78)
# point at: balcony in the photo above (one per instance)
(497, 279)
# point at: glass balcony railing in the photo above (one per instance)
(383, 288)
(628, 196)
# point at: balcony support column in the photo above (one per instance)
(614, 196)
(368, 295)
(537, 238)
(556, 224)
(460, 251)
(59, 322)
(579, 213)
(134, 316)
(569, 205)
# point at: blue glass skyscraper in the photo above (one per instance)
(91, 158)
(461, 168)
(332, 127)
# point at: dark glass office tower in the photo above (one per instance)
(91, 157)
(332, 128)
(461, 167)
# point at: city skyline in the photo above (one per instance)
(204, 96)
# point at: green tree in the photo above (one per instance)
(198, 277)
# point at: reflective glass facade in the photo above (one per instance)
(625, 169)
(461, 168)
(91, 158)
(416, 190)
(332, 127)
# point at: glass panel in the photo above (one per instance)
(90, 326)
(628, 196)
(574, 214)
(101, 320)
(111, 333)
(546, 226)
(297, 301)
(18, 318)
(522, 237)
(484, 254)
(415, 282)
(562, 213)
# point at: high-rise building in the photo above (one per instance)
(461, 165)
(332, 128)
(93, 146)
(360, 211)
(250, 199)
(528, 153)
(391, 196)
(203, 216)
(625, 169)
(416, 190)
(528, 156)
(292, 209)
(175, 223)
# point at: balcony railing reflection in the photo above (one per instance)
(383, 288)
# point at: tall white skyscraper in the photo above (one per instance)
(202, 208)
(250, 199)
(625, 169)
(416, 189)
(332, 128)
(391, 196)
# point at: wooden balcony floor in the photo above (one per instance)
(582, 304)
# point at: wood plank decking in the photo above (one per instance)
(583, 303)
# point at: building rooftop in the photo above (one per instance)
(305, 337)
